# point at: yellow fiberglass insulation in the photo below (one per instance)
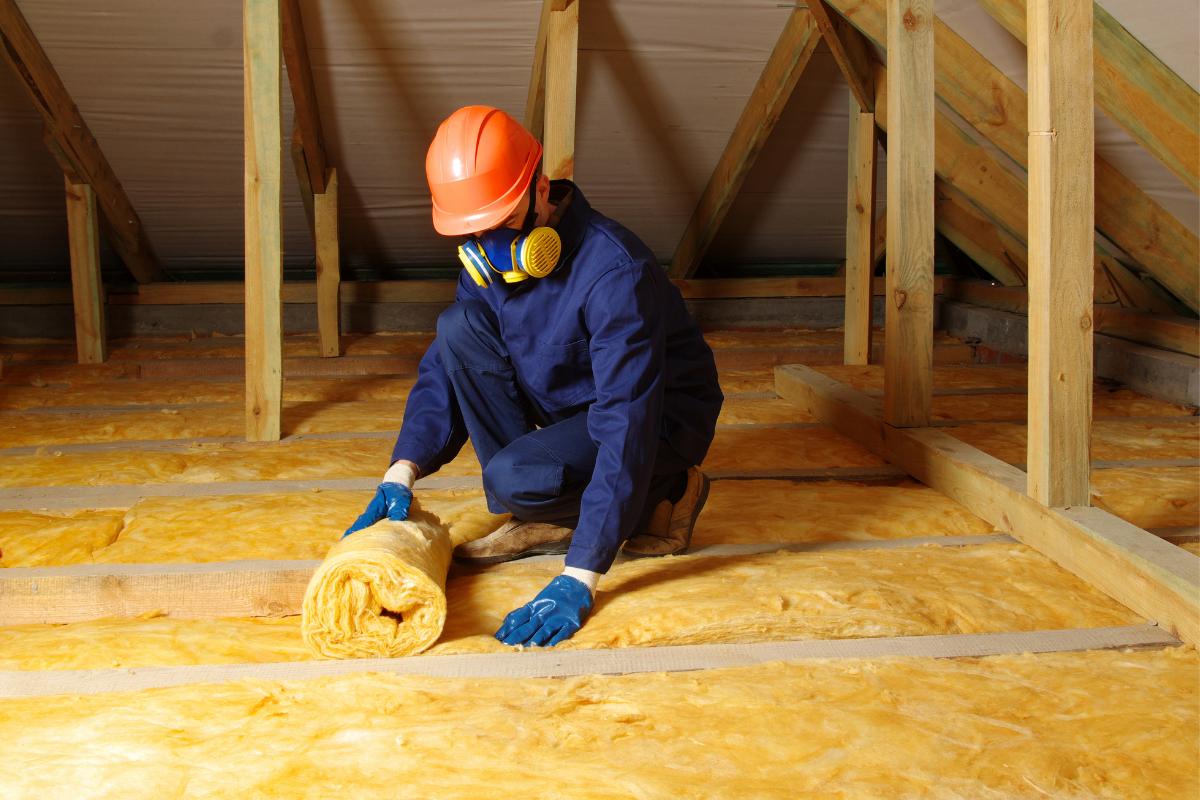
(1149, 497)
(763, 449)
(380, 593)
(1066, 725)
(28, 429)
(298, 525)
(1105, 403)
(46, 538)
(821, 511)
(1112, 440)
(651, 602)
(869, 378)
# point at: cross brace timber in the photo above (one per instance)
(1131, 565)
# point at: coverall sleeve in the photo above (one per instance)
(628, 352)
(433, 431)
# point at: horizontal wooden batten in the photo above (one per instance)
(1178, 334)
(1133, 566)
(421, 291)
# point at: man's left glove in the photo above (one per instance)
(391, 500)
(554, 615)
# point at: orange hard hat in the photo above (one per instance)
(478, 166)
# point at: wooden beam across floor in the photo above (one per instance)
(71, 142)
(262, 79)
(996, 107)
(1133, 566)
(616, 661)
(779, 77)
(1061, 209)
(1142, 94)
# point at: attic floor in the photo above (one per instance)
(132, 461)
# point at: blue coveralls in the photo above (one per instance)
(586, 394)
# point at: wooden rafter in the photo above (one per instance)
(304, 94)
(850, 51)
(1148, 574)
(775, 85)
(72, 144)
(995, 106)
(1141, 94)
(998, 252)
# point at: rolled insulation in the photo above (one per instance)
(380, 592)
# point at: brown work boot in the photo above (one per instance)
(515, 539)
(670, 530)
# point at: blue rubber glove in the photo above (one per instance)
(554, 615)
(391, 500)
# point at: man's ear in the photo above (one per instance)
(543, 186)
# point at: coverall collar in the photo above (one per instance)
(572, 221)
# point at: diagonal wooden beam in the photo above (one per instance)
(850, 51)
(1138, 91)
(779, 77)
(304, 94)
(998, 252)
(996, 107)
(562, 57)
(72, 144)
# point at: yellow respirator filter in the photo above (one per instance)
(532, 255)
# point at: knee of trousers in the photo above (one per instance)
(466, 326)
(521, 481)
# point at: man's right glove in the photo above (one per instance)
(392, 499)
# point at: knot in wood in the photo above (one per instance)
(910, 20)
(900, 297)
(1085, 322)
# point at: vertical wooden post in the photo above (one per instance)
(562, 54)
(87, 289)
(325, 209)
(1061, 220)
(860, 218)
(908, 344)
(264, 255)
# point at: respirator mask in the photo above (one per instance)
(513, 255)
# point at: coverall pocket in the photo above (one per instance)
(562, 374)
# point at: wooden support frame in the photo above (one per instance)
(1061, 209)
(775, 85)
(851, 52)
(535, 98)
(908, 323)
(1149, 575)
(72, 144)
(87, 288)
(317, 179)
(996, 107)
(562, 58)
(860, 236)
(304, 94)
(1156, 107)
(264, 221)
(329, 270)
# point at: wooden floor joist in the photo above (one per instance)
(82, 592)
(560, 664)
(1131, 565)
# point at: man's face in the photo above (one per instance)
(514, 220)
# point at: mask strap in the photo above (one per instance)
(531, 214)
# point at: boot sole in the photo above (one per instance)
(701, 499)
(547, 549)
